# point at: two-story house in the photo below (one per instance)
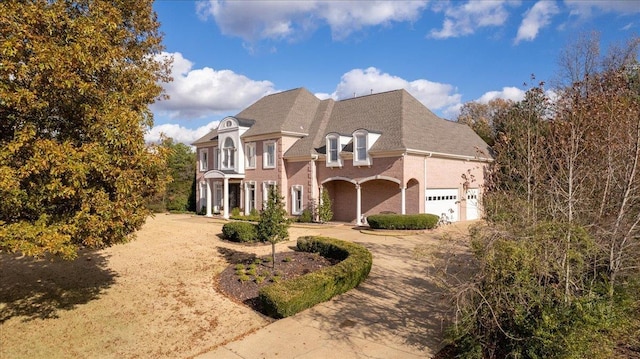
(383, 152)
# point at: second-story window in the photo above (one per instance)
(269, 160)
(361, 147)
(250, 153)
(333, 150)
(228, 154)
(204, 160)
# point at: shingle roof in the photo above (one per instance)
(402, 121)
(288, 111)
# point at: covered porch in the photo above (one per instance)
(228, 193)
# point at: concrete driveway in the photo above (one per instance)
(400, 310)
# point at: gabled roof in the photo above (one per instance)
(289, 111)
(402, 121)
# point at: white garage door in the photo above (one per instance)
(442, 202)
(472, 204)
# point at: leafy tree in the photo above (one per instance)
(325, 214)
(559, 261)
(274, 224)
(180, 191)
(76, 79)
(483, 117)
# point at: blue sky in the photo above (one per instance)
(228, 54)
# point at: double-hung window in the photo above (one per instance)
(269, 157)
(250, 153)
(296, 199)
(204, 159)
(361, 147)
(228, 154)
(333, 150)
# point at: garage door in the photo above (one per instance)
(472, 204)
(442, 202)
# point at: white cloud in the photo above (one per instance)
(179, 133)
(360, 82)
(536, 18)
(585, 8)
(278, 20)
(508, 93)
(197, 93)
(467, 18)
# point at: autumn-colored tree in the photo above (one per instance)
(483, 117)
(273, 226)
(76, 79)
(559, 261)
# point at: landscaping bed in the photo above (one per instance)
(288, 265)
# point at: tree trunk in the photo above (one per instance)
(273, 255)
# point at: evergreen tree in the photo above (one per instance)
(274, 224)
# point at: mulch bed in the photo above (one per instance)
(288, 265)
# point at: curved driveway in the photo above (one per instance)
(399, 311)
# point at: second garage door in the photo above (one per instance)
(442, 202)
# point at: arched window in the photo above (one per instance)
(228, 154)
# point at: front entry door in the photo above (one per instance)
(234, 195)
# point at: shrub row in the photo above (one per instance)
(287, 298)
(403, 221)
(240, 232)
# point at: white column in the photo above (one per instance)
(358, 205)
(208, 181)
(403, 200)
(225, 195)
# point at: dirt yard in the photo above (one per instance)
(153, 297)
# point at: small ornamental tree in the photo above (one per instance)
(273, 225)
(325, 214)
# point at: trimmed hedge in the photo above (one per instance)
(287, 298)
(403, 221)
(240, 231)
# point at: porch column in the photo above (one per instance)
(358, 205)
(208, 181)
(225, 195)
(403, 200)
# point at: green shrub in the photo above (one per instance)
(240, 232)
(235, 211)
(403, 221)
(305, 217)
(286, 298)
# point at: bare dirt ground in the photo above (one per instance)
(153, 297)
(157, 297)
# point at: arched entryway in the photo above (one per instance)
(343, 198)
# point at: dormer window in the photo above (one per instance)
(228, 154)
(362, 142)
(333, 151)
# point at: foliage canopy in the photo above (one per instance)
(76, 79)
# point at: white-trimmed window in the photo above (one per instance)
(296, 199)
(361, 148)
(333, 151)
(216, 158)
(267, 186)
(217, 197)
(250, 154)
(228, 154)
(360, 140)
(250, 197)
(204, 159)
(203, 196)
(269, 157)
